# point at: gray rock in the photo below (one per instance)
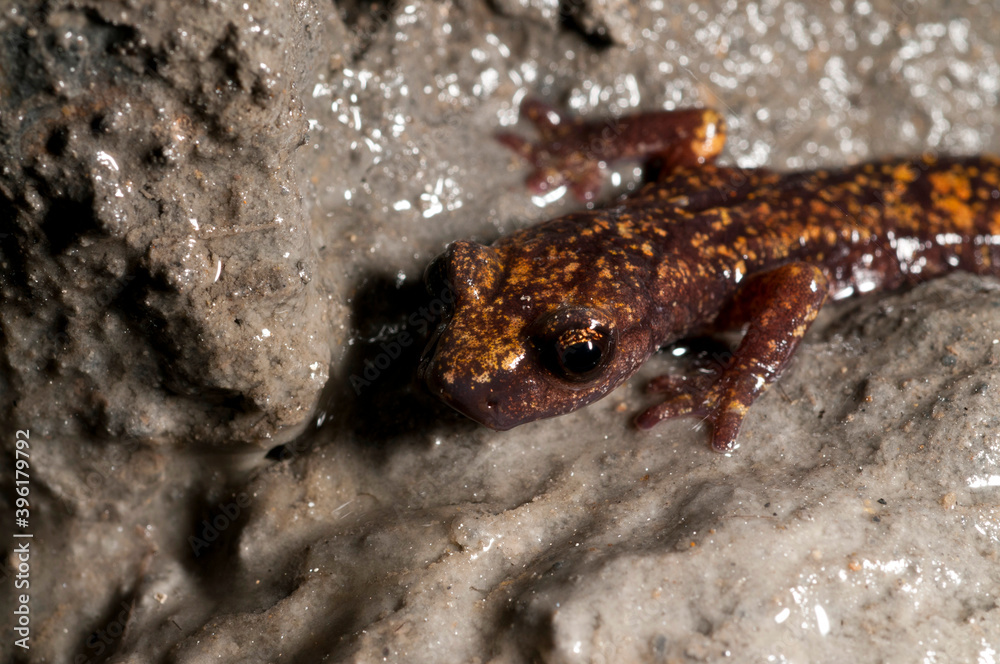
(157, 265)
(856, 522)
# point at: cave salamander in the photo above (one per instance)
(553, 317)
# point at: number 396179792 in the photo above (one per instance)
(21, 477)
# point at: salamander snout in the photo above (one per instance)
(552, 366)
(479, 402)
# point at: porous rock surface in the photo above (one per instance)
(157, 265)
(858, 520)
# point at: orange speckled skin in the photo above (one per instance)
(703, 249)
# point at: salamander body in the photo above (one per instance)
(553, 317)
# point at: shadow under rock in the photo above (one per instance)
(376, 393)
(108, 632)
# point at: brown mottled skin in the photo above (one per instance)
(553, 317)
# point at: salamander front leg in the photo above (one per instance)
(779, 306)
(574, 152)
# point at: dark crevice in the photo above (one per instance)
(597, 38)
(66, 221)
(57, 142)
(278, 453)
(105, 636)
(13, 268)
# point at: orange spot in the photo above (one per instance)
(818, 207)
(951, 184)
(904, 173)
(960, 213)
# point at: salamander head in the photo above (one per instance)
(521, 344)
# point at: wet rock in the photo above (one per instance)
(157, 267)
(856, 522)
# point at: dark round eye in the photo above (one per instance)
(574, 344)
(580, 351)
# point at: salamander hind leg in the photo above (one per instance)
(779, 306)
(575, 152)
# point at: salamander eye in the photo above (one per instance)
(574, 344)
(580, 351)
